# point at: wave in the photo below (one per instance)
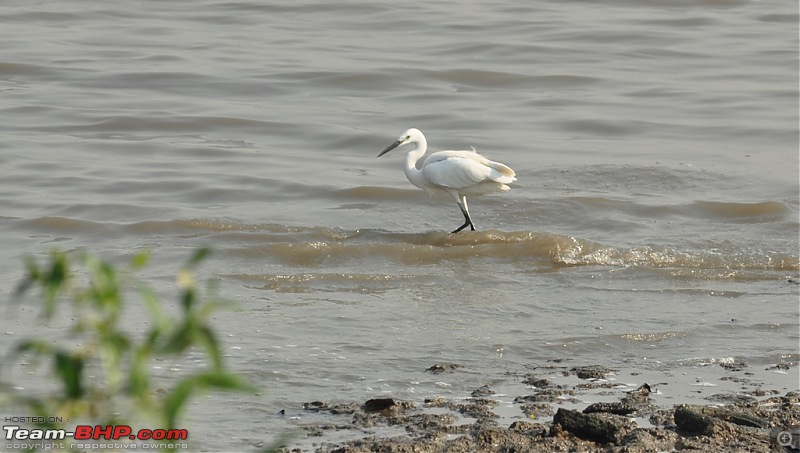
(316, 247)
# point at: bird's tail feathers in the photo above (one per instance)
(502, 173)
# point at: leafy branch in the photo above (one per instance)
(124, 360)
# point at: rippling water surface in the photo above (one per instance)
(654, 221)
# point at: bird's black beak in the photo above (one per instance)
(391, 147)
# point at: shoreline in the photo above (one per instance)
(557, 407)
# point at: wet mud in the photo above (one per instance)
(755, 420)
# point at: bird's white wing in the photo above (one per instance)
(461, 169)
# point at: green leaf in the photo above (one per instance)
(175, 401)
(36, 347)
(70, 369)
(140, 260)
(139, 380)
(226, 381)
(32, 276)
(153, 305)
(126, 359)
(205, 336)
(180, 340)
(138, 377)
(105, 284)
(53, 280)
(187, 299)
(198, 257)
(112, 349)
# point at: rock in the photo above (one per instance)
(635, 401)
(645, 440)
(497, 439)
(599, 427)
(548, 396)
(443, 367)
(319, 406)
(663, 418)
(792, 398)
(538, 383)
(435, 402)
(638, 396)
(733, 365)
(611, 408)
(699, 419)
(537, 410)
(467, 425)
(736, 417)
(480, 409)
(378, 404)
(691, 419)
(591, 372)
(782, 366)
(484, 390)
(728, 398)
(523, 427)
(315, 406)
(343, 409)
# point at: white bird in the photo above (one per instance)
(458, 173)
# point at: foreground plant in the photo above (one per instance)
(102, 368)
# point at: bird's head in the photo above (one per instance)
(411, 135)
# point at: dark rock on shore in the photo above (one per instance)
(537, 382)
(717, 422)
(443, 368)
(484, 390)
(548, 395)
(749, 427)
(756, 420)
(634, 401)
(599, 427)
(537, 410)
(617, 408)
(591, 372)
(379, 405)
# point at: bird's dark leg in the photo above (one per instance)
(467, 221)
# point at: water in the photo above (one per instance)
(654, 225)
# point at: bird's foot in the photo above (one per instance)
(466, 224)
(467, 219)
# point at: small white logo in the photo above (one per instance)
(789, 439)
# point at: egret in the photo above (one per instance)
(458, 173)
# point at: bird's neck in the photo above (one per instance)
(413, 159)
